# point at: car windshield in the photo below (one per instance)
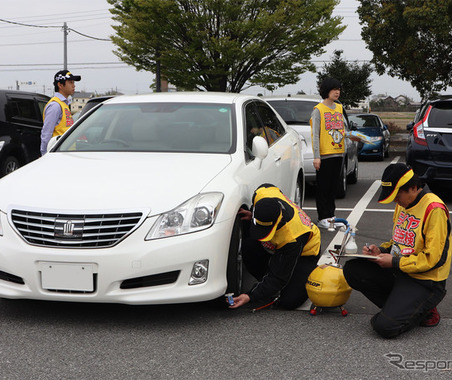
(364, 121)
(294, 111)
(441, 115)
(154, 127)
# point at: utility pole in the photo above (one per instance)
(65, 32)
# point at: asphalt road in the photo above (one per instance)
(44, 340)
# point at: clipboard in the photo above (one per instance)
(360, 255)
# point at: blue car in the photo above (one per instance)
(371, 125)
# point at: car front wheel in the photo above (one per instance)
(234, 272)
(10, 164)
(299, 191)
(341, 188)
(353, 176)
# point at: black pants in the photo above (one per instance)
(294, 294)
(327, 178)
(404, 301)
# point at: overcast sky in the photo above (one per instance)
(31, 56)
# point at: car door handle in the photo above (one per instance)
(278, 158)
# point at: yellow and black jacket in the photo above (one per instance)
(421, 242)
(294, 222)
(295, 238)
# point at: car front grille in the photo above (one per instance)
(74, 230)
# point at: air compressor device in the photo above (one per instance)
(326, 285)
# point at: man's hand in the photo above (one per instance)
(245, 214)
(241, 300)
(384, 260)
(372, 250)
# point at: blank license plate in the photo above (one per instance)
(63, 276)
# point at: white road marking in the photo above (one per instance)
(353, 219)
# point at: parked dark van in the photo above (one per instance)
(20, 128)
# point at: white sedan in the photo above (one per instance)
(137, 203)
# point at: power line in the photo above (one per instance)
(49, 64)
(52, 26)
(23, 24)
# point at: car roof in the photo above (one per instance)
(363, 114)
(313, 98)
(182, 97)
(441, 99)
(18, 92)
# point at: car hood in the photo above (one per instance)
(109, 181)
(369, 131)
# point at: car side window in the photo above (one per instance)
(21, 109)
(272, 127)
(41, 105)
(253, 127)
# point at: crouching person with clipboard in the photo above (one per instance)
(408, 280)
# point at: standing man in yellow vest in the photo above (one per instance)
(407, 278)
(57, 114)
(328, 145)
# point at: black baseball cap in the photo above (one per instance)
(267, 214)
(393, 178)
(64, 75)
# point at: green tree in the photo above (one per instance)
(411, 39)
(224, 45)
(355, 78)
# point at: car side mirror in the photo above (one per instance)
(410, 126)
(260, 150)
(52, 142)
(353, 126)
(385, 127)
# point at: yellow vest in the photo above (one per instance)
(421, 238)
(299, 224)
(66, 119)
(332, 132)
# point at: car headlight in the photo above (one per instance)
(375, 138)
(198, 213)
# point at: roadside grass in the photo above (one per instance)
(396, 121)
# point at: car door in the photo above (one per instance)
(25, 115)
(351, 147)
(438, 131)
(267, 170)
(282, 146)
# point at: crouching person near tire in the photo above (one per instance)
(281, 251)
(408, 280)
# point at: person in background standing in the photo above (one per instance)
(57, 114)
(328, 145)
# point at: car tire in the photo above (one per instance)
(300, 190)
(341, 188)
(381, 156)
(10, 164)
(234, 273)
(353, 176)
(387, 151)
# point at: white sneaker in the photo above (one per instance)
(324, 223)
